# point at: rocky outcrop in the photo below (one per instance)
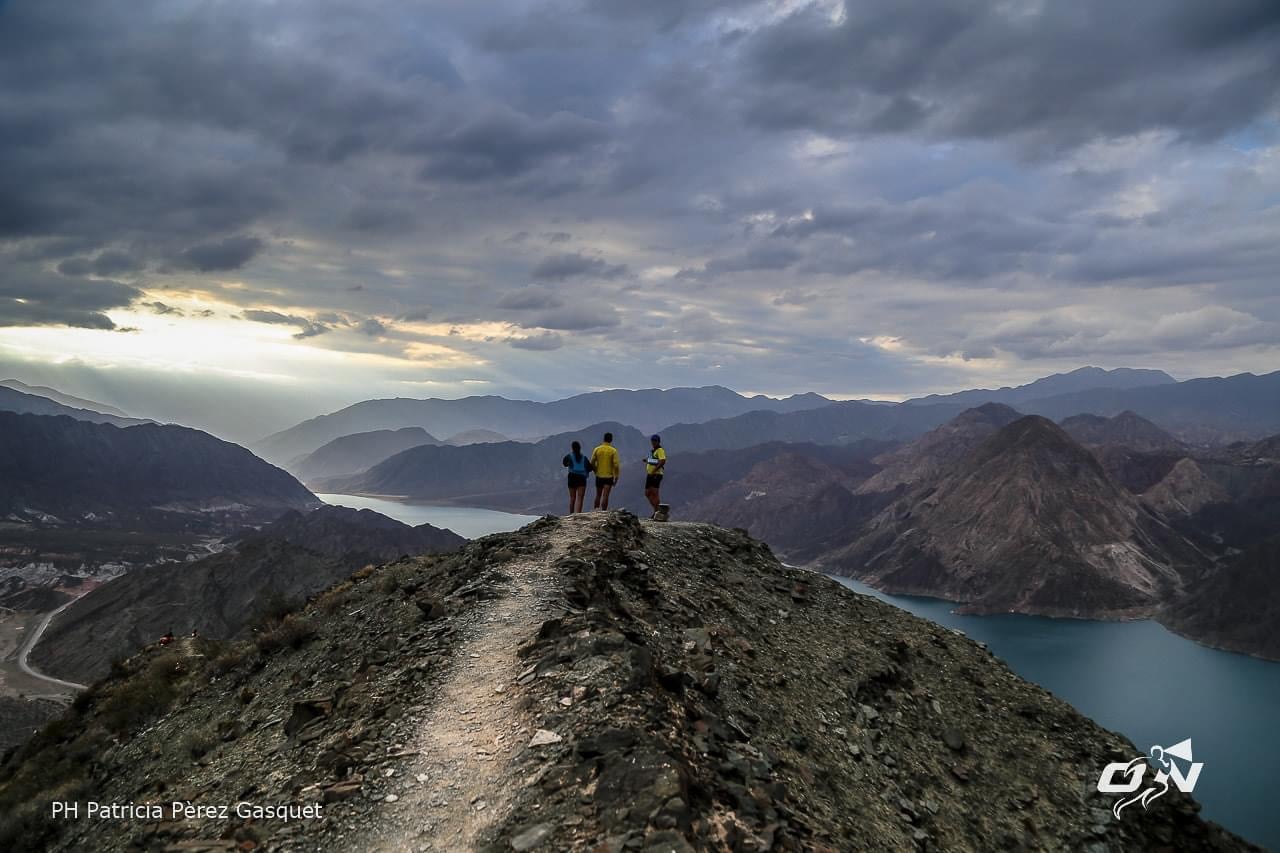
(225, 594)
(1029, 521)
(652, 687)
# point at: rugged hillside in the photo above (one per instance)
(352, 454)
(1029, 521)
(1184, 491)
(925, 458)
(589, 683)
(102, 475)
(800, 499)
(504, 475)
(1237, 606)
(648, 409)
(838, 423)
(277, 567)
(1082, 379)
(1126, 429)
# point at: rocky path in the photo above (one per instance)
(467, 740)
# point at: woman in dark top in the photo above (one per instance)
(579, 467)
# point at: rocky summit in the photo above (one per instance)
(592, 683)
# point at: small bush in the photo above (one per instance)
(272, 609)
(199, 741)
(335, 598)
(143, 697)
(230, 658)
(291, 631)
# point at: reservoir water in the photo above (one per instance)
(1154, 687)
(470, 522)
(1134, 677)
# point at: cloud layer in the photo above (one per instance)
(873, 197)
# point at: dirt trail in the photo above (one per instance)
(468, 738)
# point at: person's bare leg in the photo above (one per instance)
(604, 497)
(599, 492)
(652, 496)
(571, 491)
(579, 494)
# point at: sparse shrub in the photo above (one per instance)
(361, 574)
(271, 609)
(291, 631)
(197, 742)
(144, 696)
(230, 658)
(335, 598)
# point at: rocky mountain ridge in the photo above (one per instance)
(588, 683)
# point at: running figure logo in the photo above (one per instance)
(1162, 759)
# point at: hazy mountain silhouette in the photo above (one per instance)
(835, 423)
(647, 410)
(1081, 379)
(65, 399)
(1200, 411)
(22, 402)
(352, 454)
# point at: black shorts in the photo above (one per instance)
(577, 481)
(653, 481)
(604, 481)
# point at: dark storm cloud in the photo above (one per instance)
(1062, 73)
(761, 257)
(531, 298)
(47, 299)
(573, 265)
(306, 328)
(824, 178)
(230, 253)
(579, 317)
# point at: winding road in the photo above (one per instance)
(30, 643)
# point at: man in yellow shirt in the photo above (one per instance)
(604, 459)
(654, 467)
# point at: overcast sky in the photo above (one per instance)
(281, 207)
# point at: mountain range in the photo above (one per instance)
(648, 410)
(1084, 379)
(24, 400)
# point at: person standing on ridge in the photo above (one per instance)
(604, 459)
(579, 466)
(654, 467)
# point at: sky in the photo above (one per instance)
(241, 214)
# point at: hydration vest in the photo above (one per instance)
(578, 464)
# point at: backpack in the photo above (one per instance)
(578, 465)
